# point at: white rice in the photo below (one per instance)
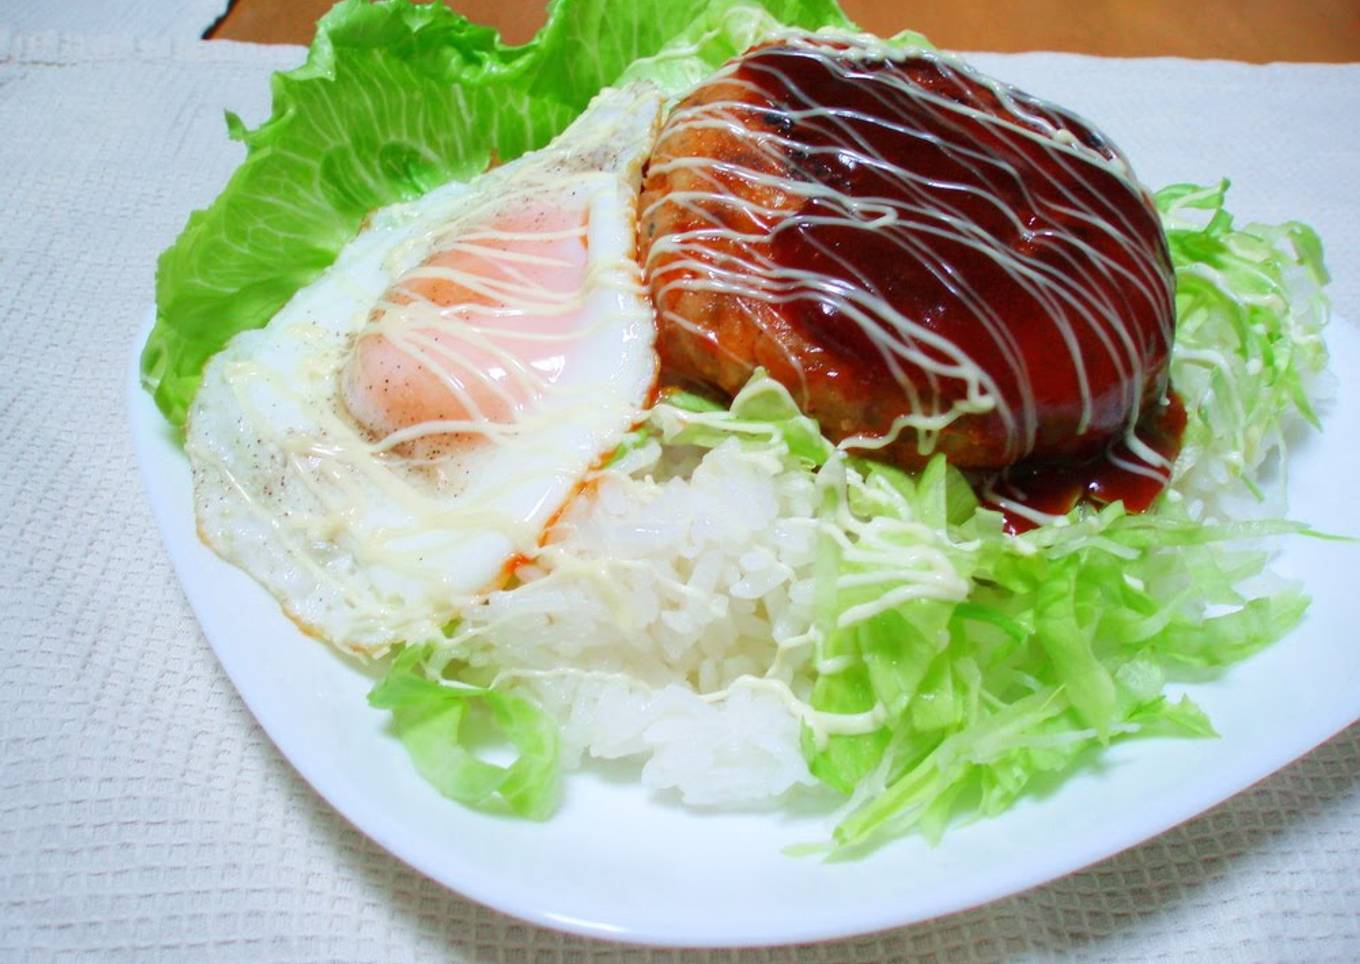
(667, 620)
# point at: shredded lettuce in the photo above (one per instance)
(1061, 646)
(1250, 310)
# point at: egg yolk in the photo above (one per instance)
(476, 334)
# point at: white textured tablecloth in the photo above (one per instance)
(124, 18)
(144, 816)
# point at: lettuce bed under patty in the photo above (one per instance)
(1066, 635)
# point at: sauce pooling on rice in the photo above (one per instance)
(928, 259)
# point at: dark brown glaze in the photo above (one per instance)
(1043, 266)
(1115, 474)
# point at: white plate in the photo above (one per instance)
(616, 862)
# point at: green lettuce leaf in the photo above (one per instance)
(431, 718)
(394, 99)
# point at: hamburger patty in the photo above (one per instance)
(927, 259)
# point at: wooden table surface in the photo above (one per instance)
(1251, 30)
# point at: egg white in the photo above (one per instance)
(359, 547)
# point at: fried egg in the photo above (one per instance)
(407, 426)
